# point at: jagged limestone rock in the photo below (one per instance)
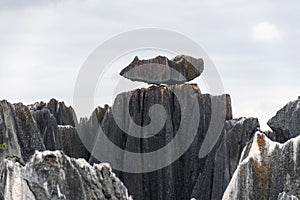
(266, 169)
(53, 175)
(185, 177)
(19, 131)
(286, 123)
(57, 124)
(221, 163)
(71, 143)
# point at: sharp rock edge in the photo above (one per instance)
(285, 124)
(53, 175)
(266, 169)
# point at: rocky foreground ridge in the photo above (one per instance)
(44, 158)
(53, 175)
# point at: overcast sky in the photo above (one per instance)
(254, 44)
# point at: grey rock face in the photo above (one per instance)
(87, 129)
(56, 123)
(63, 114)
(285, 196)
(259, 169)
(286, 123)
(19, 131)
(221, 163)
(189, 176)
(48, 128)
(71, 143)
(49, 175)
(161, 70)
(266, 169)
(52, 175)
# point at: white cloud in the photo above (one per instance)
(266, 31)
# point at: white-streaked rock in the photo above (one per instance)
(285, 196)
(53, 175)
(266, 169)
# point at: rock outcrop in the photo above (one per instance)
(222, 162)
(189, 176)
(19, 131)
(57, 123)
(286, 123)
(53, 175)
(266, 169)
(161, 70)
(27, 174)
(243, 162)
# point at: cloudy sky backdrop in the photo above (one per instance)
(254, 44)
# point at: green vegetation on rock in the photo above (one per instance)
(3, 146)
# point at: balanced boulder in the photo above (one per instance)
(161, 70)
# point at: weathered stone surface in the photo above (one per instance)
(266, 169)
(19, 131)
(71, 143)
(285, 196)
(87, 129)
(49, 175)
(221, 163)
(189, 176)
(57, 123)
(48, 127)
(52, 175)
(286, 123)
(63, 115)
(161, 70)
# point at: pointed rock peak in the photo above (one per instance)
(37, 106)
(261, 146)
(4, 101)
(54, 103)
(136, 58)
(265, 170)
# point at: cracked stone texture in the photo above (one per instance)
(267, 168)
(188, 176)
(53, 175)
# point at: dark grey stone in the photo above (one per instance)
(72, 144)
(63, 115)
(254, 167)
(161, 70)
(56, 123)
(189, 176)
(48, 128)
(19, 131)
(221, 163)
(286, 123)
